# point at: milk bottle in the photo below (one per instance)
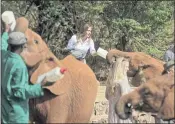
(101, 52)
(9, 18)
(53, 75)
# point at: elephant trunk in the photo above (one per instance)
(114, 53)
(122, 109)
(22, 25)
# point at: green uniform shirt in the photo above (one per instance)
(15, 89)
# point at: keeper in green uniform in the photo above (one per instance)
(15, 88)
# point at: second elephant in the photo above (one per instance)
(150, 66)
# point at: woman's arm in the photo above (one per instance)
(117, 91)
(92, 48)
(71, 43)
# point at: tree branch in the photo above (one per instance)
(29, 7)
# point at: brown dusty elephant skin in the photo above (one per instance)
(152, 66)
(70, 99)
(156, 96)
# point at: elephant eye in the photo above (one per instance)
(36, 42)
(147, 93)
(51, 59)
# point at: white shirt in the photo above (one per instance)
(81, 45)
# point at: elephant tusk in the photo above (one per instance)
(129, 105)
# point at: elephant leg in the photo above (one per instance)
(66, 109)
(57, 115)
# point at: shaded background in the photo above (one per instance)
(145, 26)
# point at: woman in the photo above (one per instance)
(117, 86)
(80, 44)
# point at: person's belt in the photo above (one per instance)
(80, 58)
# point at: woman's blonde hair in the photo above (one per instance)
(118, 71)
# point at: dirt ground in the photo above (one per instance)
(100, 114)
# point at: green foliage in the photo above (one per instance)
(146, 26)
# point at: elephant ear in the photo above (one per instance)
(167, 110)
(22, 25)
(61, 86)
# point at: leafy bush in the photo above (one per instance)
(146, 26)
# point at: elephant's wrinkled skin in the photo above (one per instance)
(70, 99)
(151, 66)
(156, 96)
